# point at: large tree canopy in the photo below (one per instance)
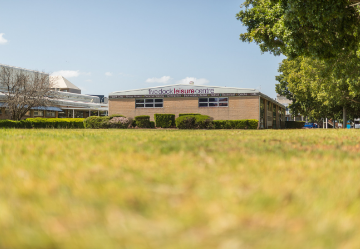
(316, 88)
(321, 29)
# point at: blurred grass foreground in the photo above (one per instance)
(179, 189)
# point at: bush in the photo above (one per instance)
(188, 114)
(53, 123)
(152, 124)
(164, 120)
(11, 124)
(294, 124)
(112, 116)
(96, 122)
(118, 122)
(142, 121)
(44, 123)
(194, 122)
(236, 124)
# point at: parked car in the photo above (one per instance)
(310, 125)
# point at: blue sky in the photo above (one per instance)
(111, 45)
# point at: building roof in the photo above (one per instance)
(61, 82)
(217, 89)
(188, 90)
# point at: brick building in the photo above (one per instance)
(70, 103)
(220, 103)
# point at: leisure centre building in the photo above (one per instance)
(220, 103)
(69, 104)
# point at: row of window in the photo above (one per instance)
(203, 102)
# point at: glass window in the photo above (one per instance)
(38, 113)
(70, 113)
(50, 113)
(79, 114)
(61, 114)
(149, 103)
(214, 102)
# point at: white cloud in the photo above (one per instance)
(163, 79)
(67, 73)
(2, 39)
(108, 74)
(195, 80)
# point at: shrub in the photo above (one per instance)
(96, 122)
(152, 124)
(112, 116)
(194, 122)
(294, 124)
(236, 124)
(142, 121)
(53, 123)
(253, 123)
(10, 124)
(188, 114)
(118, 122)
(164, 120)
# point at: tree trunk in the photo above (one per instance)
(344, 118)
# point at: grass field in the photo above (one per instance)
(179, 189)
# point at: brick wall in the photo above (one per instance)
(244, 107)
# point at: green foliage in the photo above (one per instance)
(164, 120)
(142, 121)
(11, 124)
(96, 122)
(44, 123)
(56, 122)
(115, 115)
(236, 124)
(322, 28)
(294, 124)
(152, 124)
(321, 88)
(188, 114)
(194, 122)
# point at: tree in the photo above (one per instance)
(318, 88)
(25, 90)
(319, 29)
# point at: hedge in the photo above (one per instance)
(142, 121)
(236, 124)
(164, 120)
(152, 124)
(44, 123)
(194, 122)
(188, 114)
(294, 124)
(96, 122)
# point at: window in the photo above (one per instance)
(79, 114)
(70, 113)
(38, 113)
(61, 114)
(214, 102)
(50, 113)
(149, 103)
(94, 113)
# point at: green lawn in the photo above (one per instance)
(179, 189)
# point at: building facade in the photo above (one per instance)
(220, 103)
(70, 103)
